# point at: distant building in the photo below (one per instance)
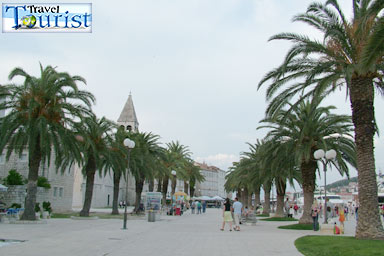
(214, 181)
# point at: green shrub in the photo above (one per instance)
(279, 219)
(298, 227)
(47, 207)
(15, 205)
(14, 178)
(43, 182)
(37, 207)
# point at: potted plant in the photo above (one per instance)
(37, 211)
(47, 210)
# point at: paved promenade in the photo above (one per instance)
(174, 235)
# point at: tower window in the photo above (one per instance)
(129, 128)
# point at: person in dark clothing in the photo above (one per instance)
(227, 214)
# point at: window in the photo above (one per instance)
(61, 192)
(55, 191)
(129, 128)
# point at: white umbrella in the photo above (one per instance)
(3, 188)
(217, 198)
(205, 198)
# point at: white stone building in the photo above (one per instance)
(214, 181)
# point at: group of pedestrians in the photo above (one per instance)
(199, 207)
(236, 208)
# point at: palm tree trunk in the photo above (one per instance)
(116, 189)
(267, 197)
(33, 174)
(363, 115)
(257, 196)
(90, 176)
(173, 186)
(249, 202)
(151, 186)
(308, 173)
(139, 189)
(165, 189)
(186, 185)
(280, 190)
(239, 195)
(159, 183)
(246, 196)
(191, 191)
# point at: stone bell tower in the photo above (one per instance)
(128, 117)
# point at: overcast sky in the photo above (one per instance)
(192, 66)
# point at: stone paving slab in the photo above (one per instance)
(185, 235)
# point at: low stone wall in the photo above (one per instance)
(17, 194)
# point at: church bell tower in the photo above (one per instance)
(128, 117)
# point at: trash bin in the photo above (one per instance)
(151, 216)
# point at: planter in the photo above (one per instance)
(45, 215)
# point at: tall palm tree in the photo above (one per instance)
(145, 159)
(278, 164)
(41, 113)
(305, 129)
(95, 136)
(351, 54)
(116, 161)
(191, 174)
(174, 158)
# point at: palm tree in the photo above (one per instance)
(41, 113)
(351, 54)
(305, 129)
(278, 164)
(116, 161)
(145, 159)
(174, 158)
(191, 174)
(95, 136)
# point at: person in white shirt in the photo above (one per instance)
(237, 208)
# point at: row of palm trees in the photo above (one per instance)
(285, 154)
(50, 116)
(351, 56)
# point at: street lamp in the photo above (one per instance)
(325, 157)
(130, 145)
(173, 172)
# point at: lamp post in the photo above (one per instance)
(130, 145)
(325, 157)
(173, 172)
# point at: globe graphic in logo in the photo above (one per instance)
(29, 21)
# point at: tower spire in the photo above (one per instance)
(128, 117)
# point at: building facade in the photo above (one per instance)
(213, 185)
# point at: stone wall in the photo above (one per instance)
(61, 193)
(17, 194)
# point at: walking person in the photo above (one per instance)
(204, 205)
(198, 205)
(315, 215)
(193, 206)
(291, 212)
(341, 219)
(296, 208)
(227, 214)
(237, 208)
(286, 207)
